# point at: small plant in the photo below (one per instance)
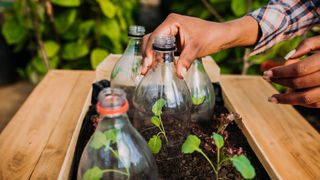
(105, 140)
(240, 162)
(197, 99)
(155, 142)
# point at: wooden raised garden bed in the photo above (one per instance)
(40, 140)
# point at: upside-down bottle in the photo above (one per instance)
(202, 93)
(116, 150)
(162, 101)
(126, 72)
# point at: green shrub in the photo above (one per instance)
(69, 34)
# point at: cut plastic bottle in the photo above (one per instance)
(163, 102)
(202, 93)
(126, 72)
(116, 150)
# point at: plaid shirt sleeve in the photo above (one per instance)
(284, 19)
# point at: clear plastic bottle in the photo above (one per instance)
(126, 72)
(163, 102)
(202, 93)
(116, 150)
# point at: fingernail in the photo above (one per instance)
(273, 100)
(267, 78)
(267, 74)
(290, 54)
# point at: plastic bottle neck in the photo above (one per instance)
(134, 45)
(165, 56)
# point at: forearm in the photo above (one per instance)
(236, 33)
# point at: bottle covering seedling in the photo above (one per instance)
(240, 162)
(105, 139)
(155, 142)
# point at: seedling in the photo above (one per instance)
(155, 141)
(197, 99)
(240, 162)
(105, 140)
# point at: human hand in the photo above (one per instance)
(303, 76)
(197, 38)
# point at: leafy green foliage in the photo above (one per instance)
(196, 100)
(157, 106)
(241, 162)
(94, 173)
(107, 7)
(239, 7)
(99, 140)
(13, 31)
(155, 121)
(244, 166)
(68, 3)
(96, 57)
(218, 140)
(155, 144)
(74, 50)
(77, 35)
(191, 144)
(111, 135)
(51, 47)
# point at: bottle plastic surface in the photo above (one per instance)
(126, 72)
(202, 93)
(162, 101)
(116, 150)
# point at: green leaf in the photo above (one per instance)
(85, 27)
(65, 19)
(94, 173)
(244, 166)
(155, 120)
(111, 135)
(111, 29)
(51, 48)
(99, 140)
(115, 72)
(107, 7)
(218, 140)
(239, 7)
(200, 67)
(198, 100)
(155, 144)
(74, 50)
(66, 3)
(157, 106)
(191, 144)
(13, 32)
(97, 56)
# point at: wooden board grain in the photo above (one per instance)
(31, 136)
(285, 143)
(105, 68)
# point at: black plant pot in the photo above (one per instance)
(7, 64)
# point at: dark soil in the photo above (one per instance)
(172, 164)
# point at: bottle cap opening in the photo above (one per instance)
(164, 43)
(112, 102)
(136, 31)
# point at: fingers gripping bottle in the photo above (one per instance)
(126, 72)
(202, 93)
(116, 150)
(162, 101)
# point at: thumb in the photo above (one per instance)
(304, 47)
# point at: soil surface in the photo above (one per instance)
(172, 164)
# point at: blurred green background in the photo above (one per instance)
(78, 34)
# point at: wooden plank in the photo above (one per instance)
(104, 69)
(285, 143)
(25, 137)
(53, 155)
